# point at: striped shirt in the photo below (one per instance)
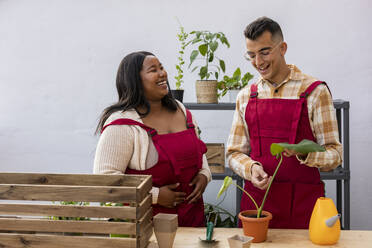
(322, 118)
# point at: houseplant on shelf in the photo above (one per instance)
(255, 222)
(182, 38)
(207, 42)
(233, 84)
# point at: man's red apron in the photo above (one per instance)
(296, 187)
(179, 161)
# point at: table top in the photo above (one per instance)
(280, 238)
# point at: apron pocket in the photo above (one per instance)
(305, 196)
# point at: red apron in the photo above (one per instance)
(179, 161)
(296, 187)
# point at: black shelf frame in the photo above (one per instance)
(341, 174)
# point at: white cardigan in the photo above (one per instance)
(122, 146)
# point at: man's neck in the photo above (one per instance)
(284, 72)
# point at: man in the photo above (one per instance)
(285, 105)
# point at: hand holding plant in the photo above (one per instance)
(276, 149)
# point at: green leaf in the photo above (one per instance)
(304, 147)
(216, 75)
(237, 74)
(226, 183)
(222, 65)
(213, 45)
(203, 72)
(196, 67)
(203, 49)
(211, 57)
(195, 40)
(193, 56)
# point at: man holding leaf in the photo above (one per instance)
(285, 105)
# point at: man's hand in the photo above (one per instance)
(259, 178)
(168, 197)
(200, 181)
(289, 153)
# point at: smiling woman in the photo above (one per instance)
(149, 132)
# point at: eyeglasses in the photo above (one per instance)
(264, 53)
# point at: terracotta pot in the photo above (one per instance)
(255, 227)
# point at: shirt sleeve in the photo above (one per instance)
(114, 151)
(324, 124)
(238, 146)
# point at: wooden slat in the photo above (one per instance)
(144, 188)
(144, 240)
(44, 225)
(125, 212)
(54, 241)
(144, 222)
(67, 193)
(144, 206)
(72, 179)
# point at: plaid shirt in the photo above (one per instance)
(322, 118)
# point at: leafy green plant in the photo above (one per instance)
(217, 213)
(207, 43)
(276, 149)
(235, 82)
(182, 38)
(70, 203)
(112, 204)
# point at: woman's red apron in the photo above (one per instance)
(296, 186)
(179, 161)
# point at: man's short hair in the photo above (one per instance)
(260, 25)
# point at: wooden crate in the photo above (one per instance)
(27, 223)
(216, 157)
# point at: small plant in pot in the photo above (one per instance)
(233, 84)
(209, 70)
(256, 222)
(182, 38)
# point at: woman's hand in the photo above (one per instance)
(169, 197)
(200, 181)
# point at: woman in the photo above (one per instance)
(148, 132)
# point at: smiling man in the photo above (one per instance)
(284, 105)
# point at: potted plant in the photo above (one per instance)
(182, 38)
(207, 42)
(255, 222)
(233, 84)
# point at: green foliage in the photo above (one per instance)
(208, 44)
(276, 149)
(219, 216)
(70, 218)
(304, 147)
(182, 37)
(235, 82)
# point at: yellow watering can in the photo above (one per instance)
(324, 227)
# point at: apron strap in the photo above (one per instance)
(299, 106)
(254, 128)
(124, 121)
(189, 123)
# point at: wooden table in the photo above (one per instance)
(279, 238)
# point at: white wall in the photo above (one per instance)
(58, 62)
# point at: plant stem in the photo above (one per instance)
(268, 188)
(254, 202)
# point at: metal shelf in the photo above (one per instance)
(341, 174)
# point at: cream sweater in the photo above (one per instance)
(122, 146)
